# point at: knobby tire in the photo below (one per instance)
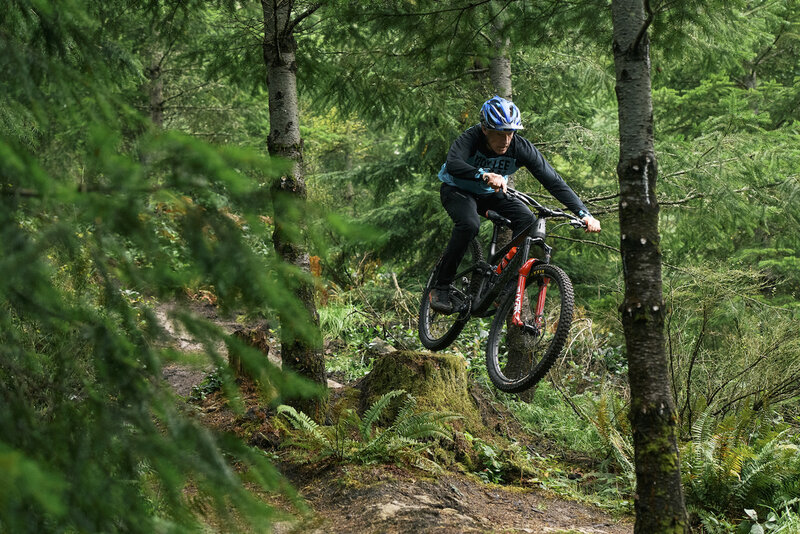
(437, 331)
(518, 360)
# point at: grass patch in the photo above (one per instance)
(195, 360)
(549, 416)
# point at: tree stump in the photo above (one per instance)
(256, 338)
(437, 381)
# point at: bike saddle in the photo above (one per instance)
(496, 217)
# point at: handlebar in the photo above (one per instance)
(544, 211)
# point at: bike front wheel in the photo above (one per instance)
(436, 330)
(518, 356)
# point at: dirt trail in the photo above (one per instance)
(391, 500)
(394, 500)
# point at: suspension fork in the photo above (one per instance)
(524, 271)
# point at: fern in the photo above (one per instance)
(724, 473)
(764, 471)
(606, 422)
(375, 411)
(302, 422)
(406, 438)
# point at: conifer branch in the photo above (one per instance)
(451, 79)
(168, 51)
(688, 198)
(493, 18)
(605, 197)
(437, 11)
(183, 92)
(714, 163)
(83, 188)
(764, 55)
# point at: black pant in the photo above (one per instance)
(464, 208)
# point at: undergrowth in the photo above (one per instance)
(359, 439)
(740, 471)
(743, 468)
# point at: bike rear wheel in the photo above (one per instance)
(436, 330)
(517, 357)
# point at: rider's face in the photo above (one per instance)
(498, 141)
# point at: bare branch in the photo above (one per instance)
(643, 30)
(302, 16)
(586, 242)
(744, 371)
(687, 406)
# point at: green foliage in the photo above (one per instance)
(732, 345)
(101, 215)
(355, 438)
(210, 384)
(490, 466)
(342, 321)
(738, 464)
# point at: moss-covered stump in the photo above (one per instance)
(254, 337)
(437, 381)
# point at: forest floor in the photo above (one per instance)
(383, 498)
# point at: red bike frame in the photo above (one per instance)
(524, 271)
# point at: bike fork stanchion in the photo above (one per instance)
(540, 302)
(524, 271)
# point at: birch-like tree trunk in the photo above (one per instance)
(520, 353)
(500, 66)
(284, 140)
(659, 502)
(155, 90)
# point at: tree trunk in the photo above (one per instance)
(659, 500)
(155, 89)
(500, 77)
(297, 353)
(438, 381)
(500, 68)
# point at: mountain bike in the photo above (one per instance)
(531, 299)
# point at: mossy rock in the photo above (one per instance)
(437, 381)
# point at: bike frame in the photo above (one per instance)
(493, 284)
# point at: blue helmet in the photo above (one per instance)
(498, 113)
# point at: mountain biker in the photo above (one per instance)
(474, 180)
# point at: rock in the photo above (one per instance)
(333, 384)
(380, 346)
